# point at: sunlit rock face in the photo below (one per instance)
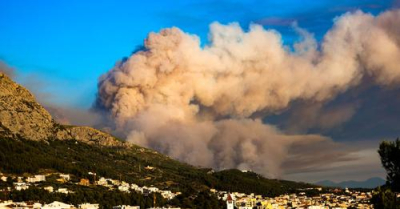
(20, 114)
(22, 117)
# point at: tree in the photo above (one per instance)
(390, 158)
(385, 199)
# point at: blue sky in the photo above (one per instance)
(67, 45)
(59, 49)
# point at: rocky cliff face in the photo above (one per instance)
(20, 114)
(86, 134)
(22, 117)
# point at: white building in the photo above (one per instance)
(20, 186)
(316, 207)
(115, 182)
(88, 206)
(6, 204)
(153, 189)
(168, 195)
(63, 190)
(49, 189)
(36, 178)
(102, 182)
(126, 207)
(134, 186)
(139, 189)
(37, 205)
(57, 205)
(149, 168)
(124, 189)
(66, 177)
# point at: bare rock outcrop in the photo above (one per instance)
(20, 114)
(86, 134)
(22, 117)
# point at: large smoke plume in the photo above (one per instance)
(205, 105)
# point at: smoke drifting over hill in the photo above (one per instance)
(4, 68)
(205, 105)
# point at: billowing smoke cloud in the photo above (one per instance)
(74, 116)
(204, 105)
(4, 68)
(319, 116)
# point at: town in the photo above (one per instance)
(333, 198)
(23, 183)
(346, 199)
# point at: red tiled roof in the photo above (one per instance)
(229, 198)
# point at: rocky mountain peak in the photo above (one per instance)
(21, 116)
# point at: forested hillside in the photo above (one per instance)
(77, 158)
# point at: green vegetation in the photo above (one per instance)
(101, 196)
(390, 158)
(385, 197)
(202, 200)
(74, 157)
(235, 180)
(129, 164)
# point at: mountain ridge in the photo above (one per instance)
(368, 183)
(23, 117)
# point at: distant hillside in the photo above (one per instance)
(369, 183)
(31, 142)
